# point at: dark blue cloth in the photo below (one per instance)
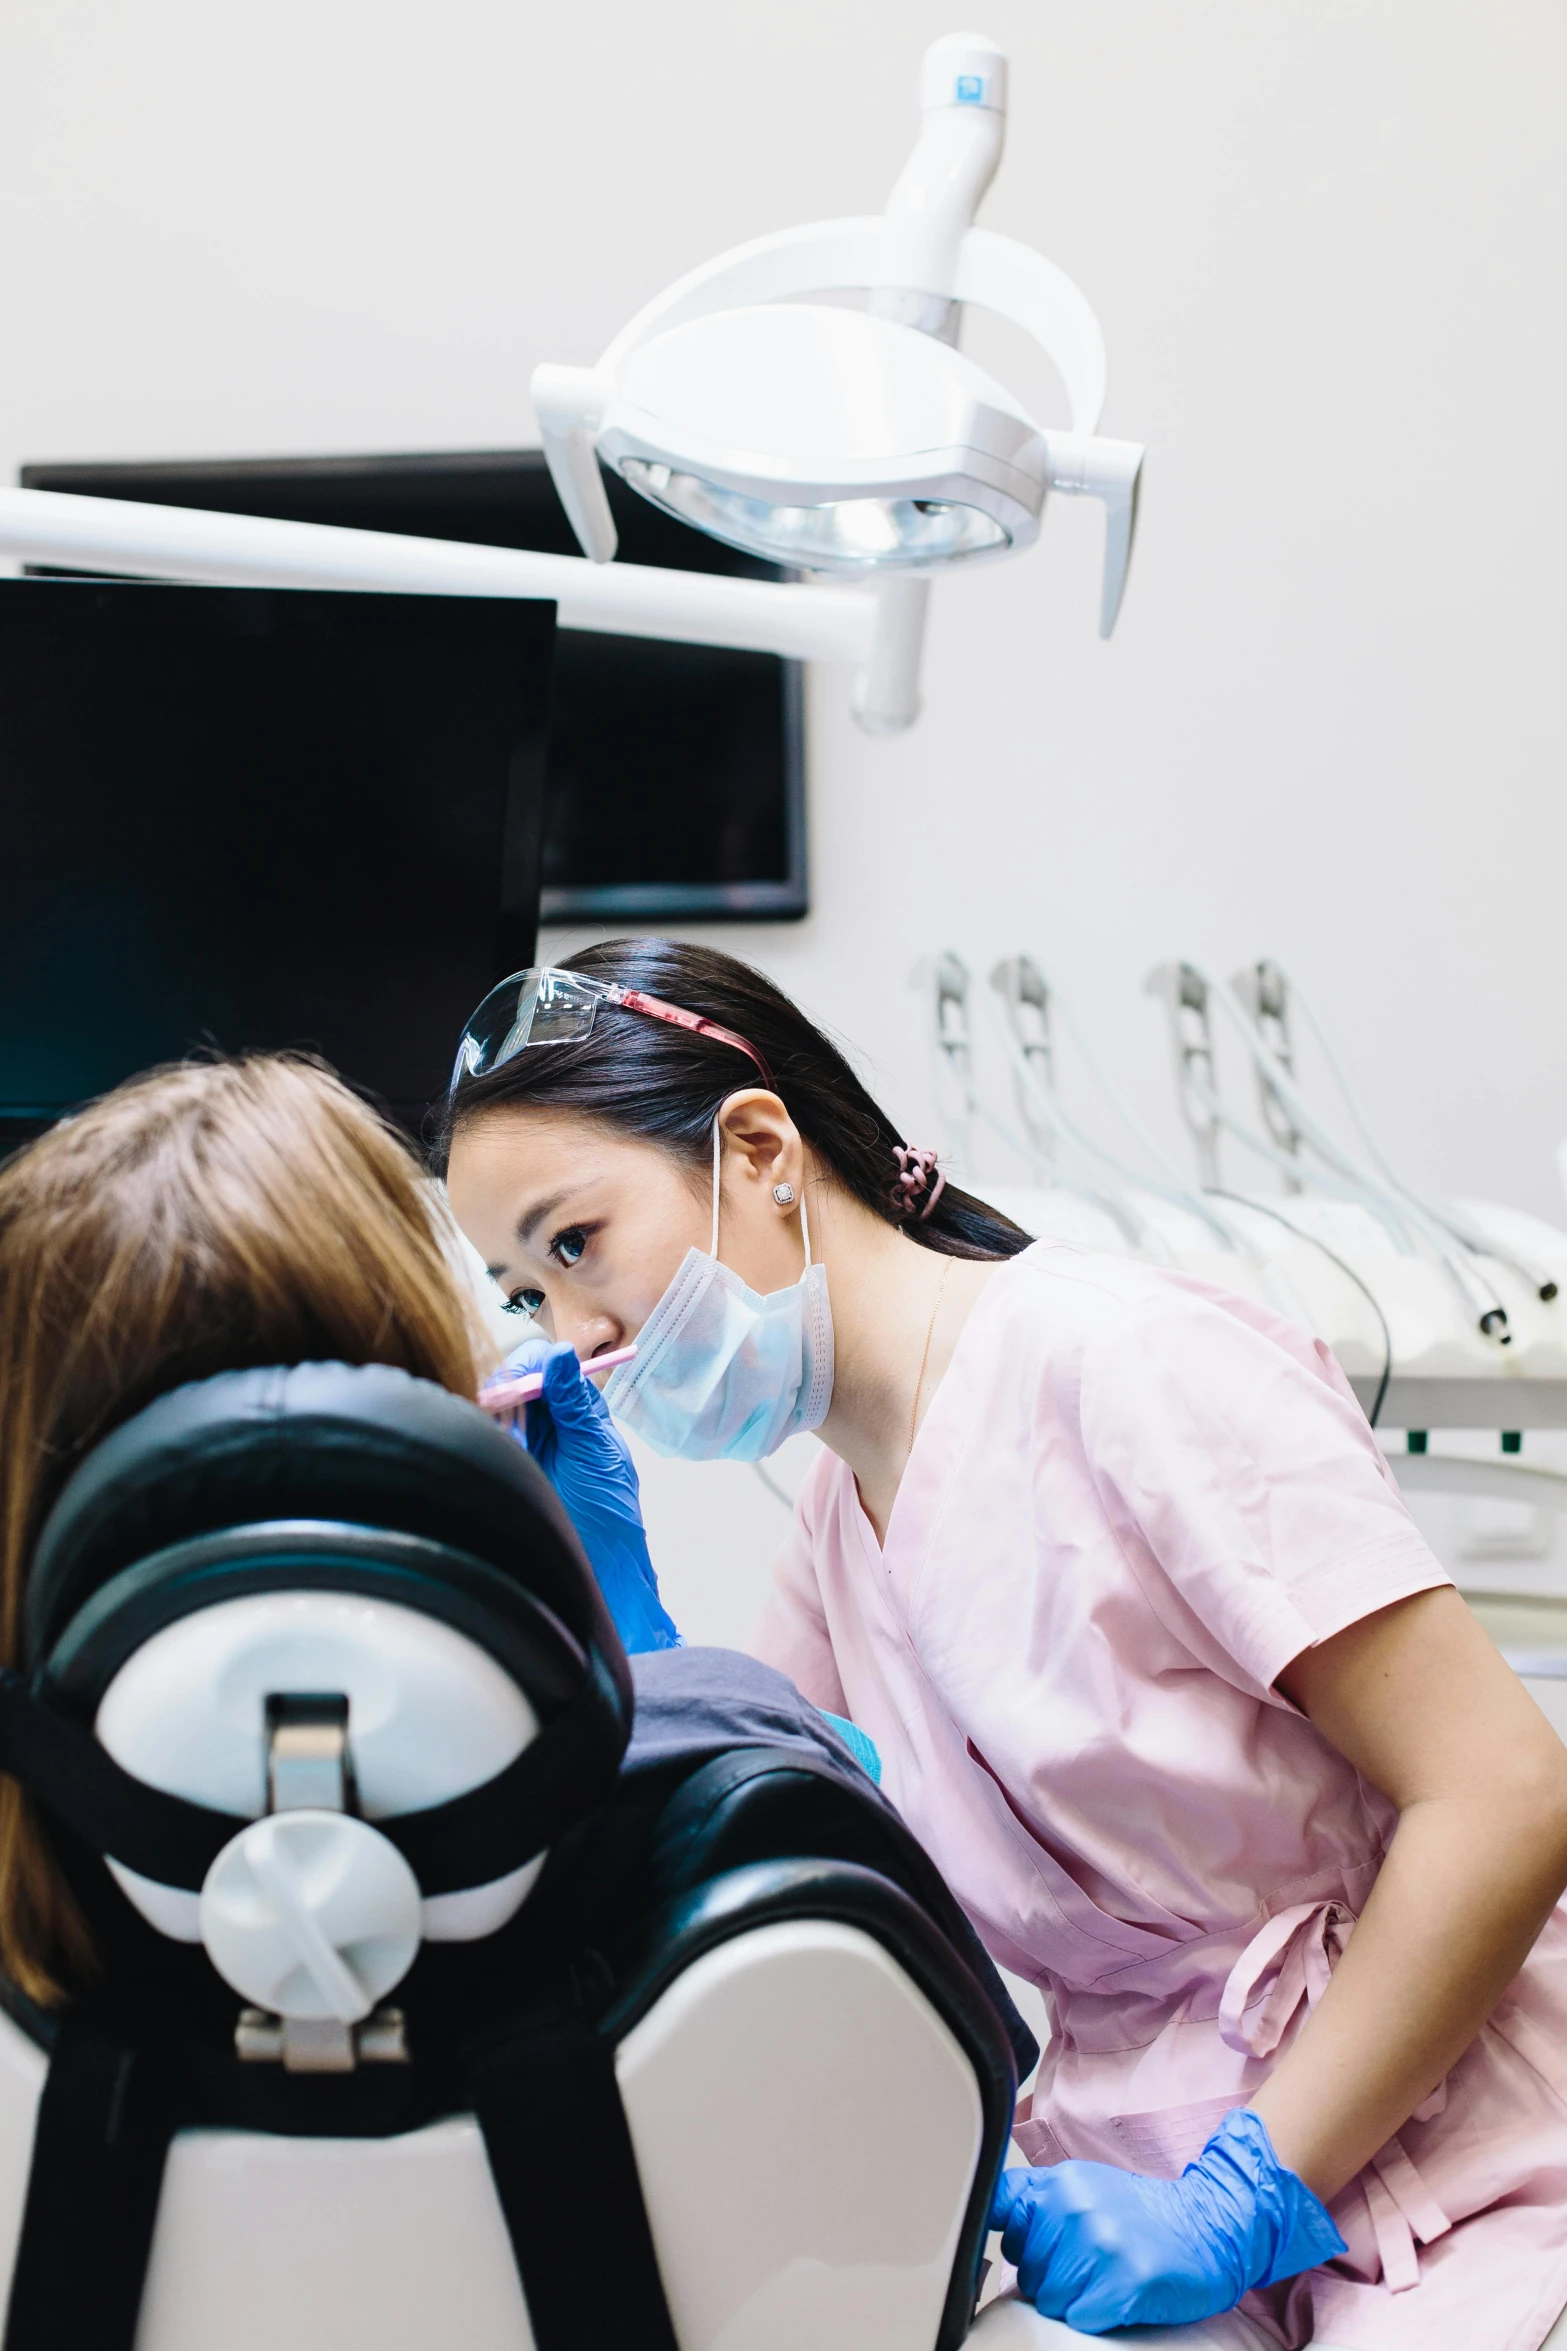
(694, 1704)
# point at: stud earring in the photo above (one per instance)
(783, 1194)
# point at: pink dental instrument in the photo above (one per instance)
(504, 1396)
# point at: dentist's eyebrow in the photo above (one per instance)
(528, 1225)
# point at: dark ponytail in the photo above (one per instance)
(663, 1085)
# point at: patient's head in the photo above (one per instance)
(200, 1220)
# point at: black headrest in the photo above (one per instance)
(316, 1476)
(362, 1445)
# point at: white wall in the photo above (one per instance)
(1327, 241)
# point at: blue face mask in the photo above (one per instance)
(723, 1373)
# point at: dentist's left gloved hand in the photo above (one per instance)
(571, 1436)
(1101, 2248)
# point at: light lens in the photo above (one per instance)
(850, 534)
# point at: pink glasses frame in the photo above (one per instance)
(635, 1000)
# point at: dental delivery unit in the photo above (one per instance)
(1448, 1317)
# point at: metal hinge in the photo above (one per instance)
(320, 2044)
(309, 1768)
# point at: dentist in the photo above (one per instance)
(1108, 1565)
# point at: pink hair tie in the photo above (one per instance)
(914, 1193)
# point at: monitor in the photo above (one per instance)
(676, 773)
(255, 818)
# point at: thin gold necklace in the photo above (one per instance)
(930, 1333)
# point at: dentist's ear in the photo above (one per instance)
(763, 1147)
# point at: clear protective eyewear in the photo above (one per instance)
(549, 1006)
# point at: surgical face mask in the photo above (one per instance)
(723, 1373)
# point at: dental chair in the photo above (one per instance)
(320, 1705)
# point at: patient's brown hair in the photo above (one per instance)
(202, 1219)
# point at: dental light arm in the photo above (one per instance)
(121, 535)
(963, 120)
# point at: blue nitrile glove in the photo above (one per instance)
(574, 1441)
(863, 1749)
(1100, 2247)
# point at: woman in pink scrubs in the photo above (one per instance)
(1109, 1566)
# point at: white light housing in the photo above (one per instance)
(826, 439)
(858, 442)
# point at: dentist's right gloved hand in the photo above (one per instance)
(571, 1436)
(1100, 2247)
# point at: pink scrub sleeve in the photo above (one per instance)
(1244, 1487)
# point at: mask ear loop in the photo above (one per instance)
(718, 1147)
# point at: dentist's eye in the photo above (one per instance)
(568, 1245)
(524, 1302)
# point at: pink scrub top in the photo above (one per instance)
(1133, 1500)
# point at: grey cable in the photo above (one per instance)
(774, 1489)
(1364, 1287)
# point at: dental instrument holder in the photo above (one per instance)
(1103, 1179)
(309, 1768)
(1264, 991)
(954, 1047)
(1499, 1392)
(1184, 994)
(1025, 994)
(1453, 1239)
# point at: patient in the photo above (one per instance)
(210, 1218)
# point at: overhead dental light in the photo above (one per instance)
(857, 443)
(826, 439)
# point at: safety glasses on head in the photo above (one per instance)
(549, 1006)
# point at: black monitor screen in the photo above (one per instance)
(676, 772)
(255, 818)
